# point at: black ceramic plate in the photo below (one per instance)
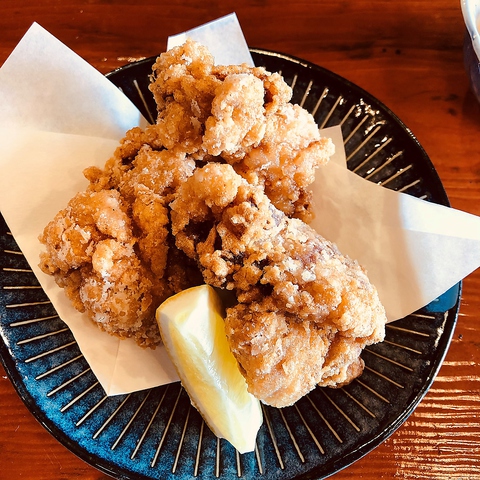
(156, 433)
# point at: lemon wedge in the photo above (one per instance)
(192, 329)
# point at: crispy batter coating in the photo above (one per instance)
(217, 191)
(90, 252)
(240, 115)
(304, 311)
(111, 248)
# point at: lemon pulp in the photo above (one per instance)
(192, 329)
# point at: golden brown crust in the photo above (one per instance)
(89, 249)
(218, 191)
(303, 307)
(111, 247)
(240, 115)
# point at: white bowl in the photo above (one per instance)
(471, 47)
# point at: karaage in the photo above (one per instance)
(304, 311)
(217, 191)
(240, 115)
(112, 248)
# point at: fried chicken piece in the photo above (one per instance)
(147, 176)
(304, 311)
(141, 159)
(90, 252)
(240, 115)
(111, 248)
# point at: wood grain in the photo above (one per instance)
(409, 55)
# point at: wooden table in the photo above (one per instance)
(409, 55)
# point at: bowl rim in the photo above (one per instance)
(471, 16)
